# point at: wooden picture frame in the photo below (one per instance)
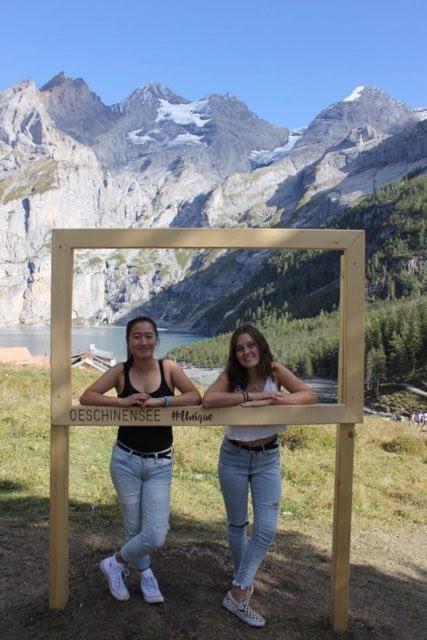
(345, 413)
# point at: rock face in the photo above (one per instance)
(49, 180)
(157, 159)
(76, 110)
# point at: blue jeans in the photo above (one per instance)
(143, 488)
(239, 469)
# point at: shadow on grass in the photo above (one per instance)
(194, 570)
(7, 486)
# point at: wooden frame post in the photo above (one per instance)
(341, 535)
(345, 413)
(58, 526)
(62, 294)
(350, 382)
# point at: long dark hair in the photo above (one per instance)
(237, 375)
(129, 326)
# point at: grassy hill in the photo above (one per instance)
(194, 567)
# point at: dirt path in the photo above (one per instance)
(291, 591)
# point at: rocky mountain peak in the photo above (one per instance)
(26, 90)
(365, 107)
(227, 104)
(148, 95)
(54, 82)
(76, 109)
(372, 94)
(69, 86)
(156, 89)
(23, 118)
(363, 92)
(223, 97)
(355, 94)
(377, 101)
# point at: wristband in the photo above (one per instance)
(167, 401)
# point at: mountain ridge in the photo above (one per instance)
(197, 169)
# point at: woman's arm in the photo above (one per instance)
(189, 394)
(299, 392)
(94, 394)
(219, 394)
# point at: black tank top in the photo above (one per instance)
(145, 439)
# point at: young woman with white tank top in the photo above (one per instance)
(250, 457)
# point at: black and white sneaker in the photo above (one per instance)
(243, 611)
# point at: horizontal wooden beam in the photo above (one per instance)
(197, 416)
(236, 238)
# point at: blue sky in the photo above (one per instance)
(286, 59)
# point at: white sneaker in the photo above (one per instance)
(243, 611)
(115, 572)
(150, 587)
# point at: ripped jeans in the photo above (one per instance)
(239, 469)
(143, 488)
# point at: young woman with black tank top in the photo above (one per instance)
(141, 462)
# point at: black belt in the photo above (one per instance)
(161, 454)
(273, 444)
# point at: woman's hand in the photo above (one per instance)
(136, 399)
(277, 398)
(266, 398)
(256, 403)
(154, 402)
(262, 395)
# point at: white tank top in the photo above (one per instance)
(246, 434)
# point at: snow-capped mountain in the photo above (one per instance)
(366, 108)
(174, 148)
(158, 159)
(155, 126)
